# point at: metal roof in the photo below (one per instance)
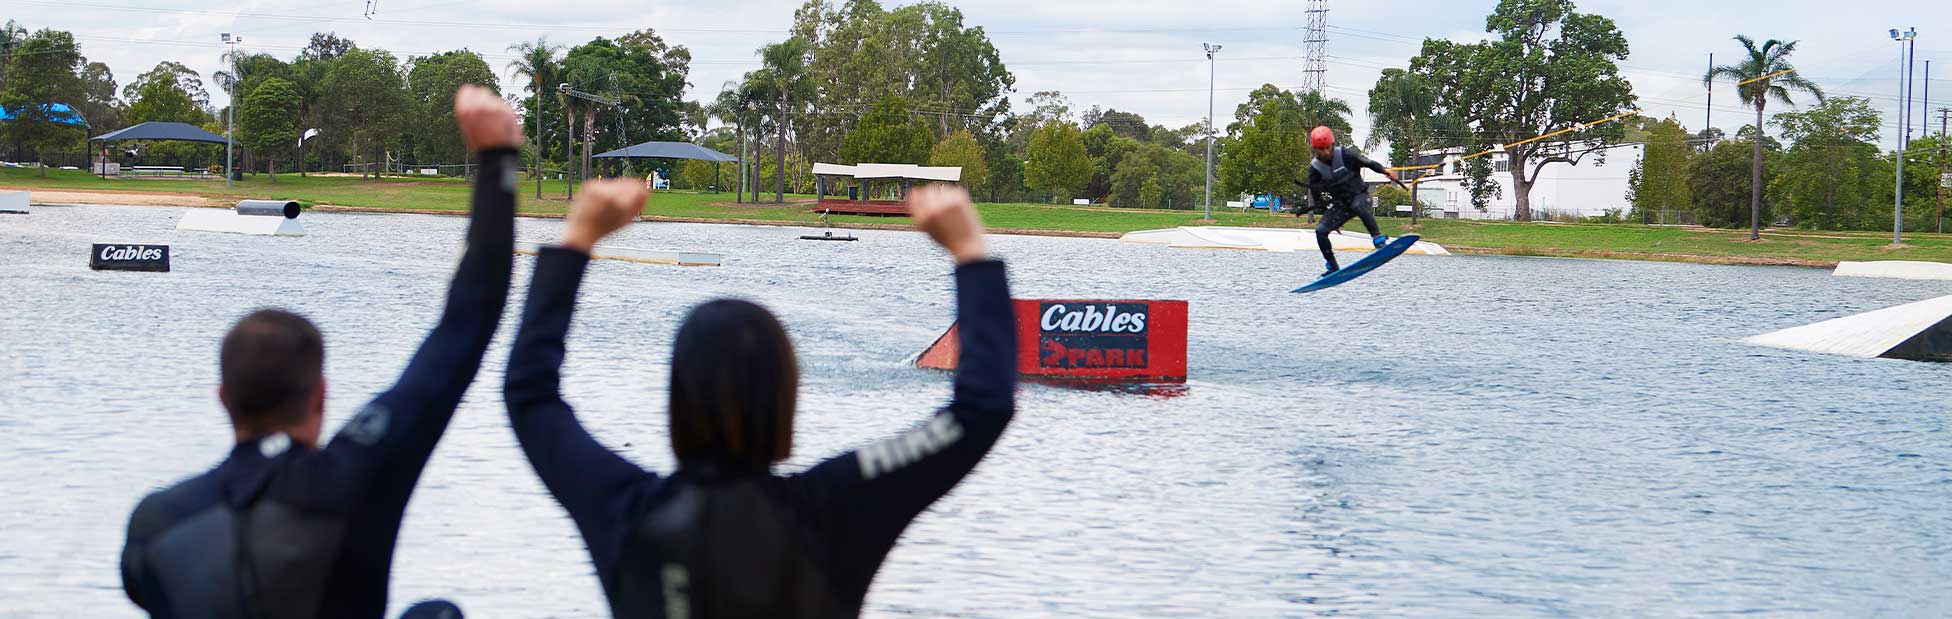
(670, 150)
(158, 130)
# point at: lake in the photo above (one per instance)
(1447, 436)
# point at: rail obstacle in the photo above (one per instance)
(255, 217)
(1115, 340)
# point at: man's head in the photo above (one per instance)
(734, 384)
(273, 367)
(1322, 139)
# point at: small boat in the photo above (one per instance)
(829, 234)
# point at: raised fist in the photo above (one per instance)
(603, 207)
(485, 119)
(947, 215)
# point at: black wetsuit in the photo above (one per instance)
(1340, 178)
(279, 530)
(804, 545)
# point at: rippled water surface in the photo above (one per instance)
(1461, 436)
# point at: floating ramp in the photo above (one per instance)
(646, 256)
(1895, 269)
(1919, 331)
(1263, 239)
(13, 203)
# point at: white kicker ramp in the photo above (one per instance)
(1895, 269)
(13, 202)
(1920, 331)
(646, 256)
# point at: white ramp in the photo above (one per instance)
(214, 220)
(1921, 331)
(1896, 269)
(1263, 239)
(13, 202)
(646, 256)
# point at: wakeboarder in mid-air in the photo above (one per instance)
(1335, 188)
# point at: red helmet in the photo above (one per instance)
(1322, 137)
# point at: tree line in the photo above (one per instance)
(855, 81)
(372, 110)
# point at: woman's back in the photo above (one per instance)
(727, 548)
(723, 537)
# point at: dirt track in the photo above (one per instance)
(129, 198)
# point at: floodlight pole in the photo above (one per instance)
(1898, 200)
(230, 122)
(1211, 51)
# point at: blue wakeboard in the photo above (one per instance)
(1368, 263)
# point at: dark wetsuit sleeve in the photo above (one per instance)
(398, 430)
(1364, 162)
(590, 481)
(135, 579)
(373, 463)
(866, 497)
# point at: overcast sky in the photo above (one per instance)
(1135, 55)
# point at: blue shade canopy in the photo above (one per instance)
(670, 150)
(58, 112)
(157, 130)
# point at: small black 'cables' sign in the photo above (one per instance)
(129, 257)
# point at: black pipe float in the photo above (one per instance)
(269, 208)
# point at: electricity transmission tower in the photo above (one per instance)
(1314, 70)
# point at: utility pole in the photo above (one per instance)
(1708, 122)
(1211, 49)
(1944, 165)
(536, 161)
(230, 122)
(1911, 66)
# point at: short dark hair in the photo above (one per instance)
(271, 360)
(734, 384)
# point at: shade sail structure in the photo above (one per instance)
(157, 130)
(57, 112)
(669, 150)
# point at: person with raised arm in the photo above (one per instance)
(283, 527)
(723, 536)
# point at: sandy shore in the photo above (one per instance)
(121, 198)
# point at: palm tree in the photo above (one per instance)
(786, 65)
(1323, 110)
(11, 35)
(536, 61)
(1768, 74)
(727, 108)
(1403, 111)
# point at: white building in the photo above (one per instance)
(1587, 189)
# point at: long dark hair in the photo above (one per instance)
(734, 383)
